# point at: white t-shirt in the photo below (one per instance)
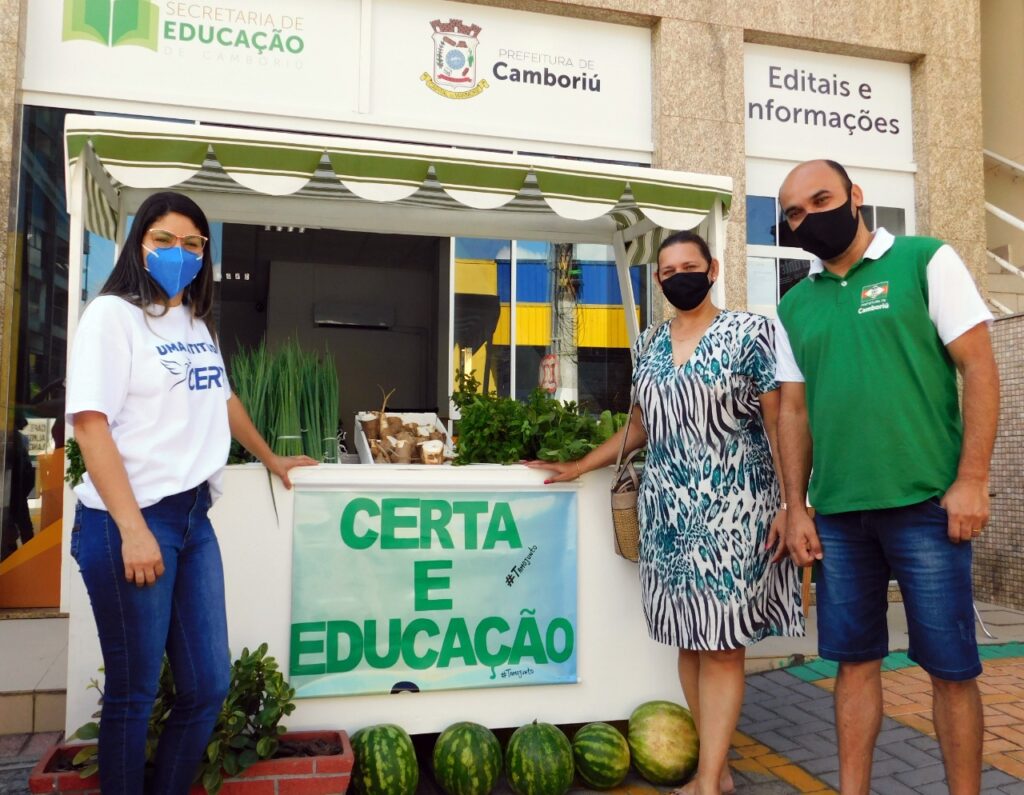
(954, 303)
(162, 385)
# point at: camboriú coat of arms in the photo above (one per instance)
(453, 72)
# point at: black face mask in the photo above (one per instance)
(685, 291)
(828, 234)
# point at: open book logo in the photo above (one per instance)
(112, 22)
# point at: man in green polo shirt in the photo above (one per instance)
(868, 350)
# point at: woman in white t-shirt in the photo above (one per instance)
(153, 414)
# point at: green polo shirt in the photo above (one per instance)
(881, 388)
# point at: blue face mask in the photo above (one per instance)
(173, 268)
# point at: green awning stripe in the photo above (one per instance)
(164, 164)
(75, 144)
(378, 168)
(579, 186)
(678, 208)
(375, 181)
(678, 197)
(482, 191)
(577, 198)
(265, 172)
(209, 140)
(467, 176)
(673, 197)
(121, 148)
(270, 160)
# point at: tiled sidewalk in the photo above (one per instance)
(786, 741)
(907, 698)
(18, 753)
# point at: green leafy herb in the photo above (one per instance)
(500, 430)
(76, 464)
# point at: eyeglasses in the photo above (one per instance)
(161, 238)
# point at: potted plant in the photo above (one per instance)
(248, 749)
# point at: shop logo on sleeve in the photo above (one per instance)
(874, 297)
(453, 74)
(114, 23)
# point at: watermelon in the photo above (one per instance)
(602, 755)
(467, 759)
(663, 739)
(385, 762)
(538, 760)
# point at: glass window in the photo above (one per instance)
(566, 330)
(894, 219)
(761, 220)
(33, 463)
(762, 285)
(868, 213)
(790, 272)
(536, 316)
(99, 262)
(481, 310)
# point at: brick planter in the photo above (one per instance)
(328, 775)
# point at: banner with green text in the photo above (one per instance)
(397, 591)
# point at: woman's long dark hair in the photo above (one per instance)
(131, 281)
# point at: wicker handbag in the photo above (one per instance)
(625, 488)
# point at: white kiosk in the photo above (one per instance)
(260, 177)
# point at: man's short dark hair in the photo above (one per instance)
(847, 182)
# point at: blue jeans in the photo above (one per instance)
(182, 613)
(862, 549)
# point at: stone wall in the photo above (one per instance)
(999, 552)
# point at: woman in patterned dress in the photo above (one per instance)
(709, 503)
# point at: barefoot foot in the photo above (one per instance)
(726, 786)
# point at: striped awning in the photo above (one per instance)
(515, 192)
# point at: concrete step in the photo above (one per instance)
(33, 672)
(38, 711)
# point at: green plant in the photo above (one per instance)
(608, 424)
(247, 728)
(492, 429)
(318, 406)
(250, 379)
(76, 464)
(249, 724)
(501, 430)
(87, 760)
(292, 398)
(285, 384)
(561, 431)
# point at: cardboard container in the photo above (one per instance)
(417, 418)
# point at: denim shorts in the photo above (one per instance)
(861, 551)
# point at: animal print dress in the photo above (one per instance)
(709, 491)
